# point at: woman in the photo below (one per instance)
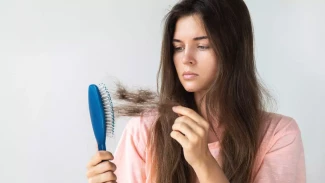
(220, 130)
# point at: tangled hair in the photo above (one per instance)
(135, 103)
(236, 98)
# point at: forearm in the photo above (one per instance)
(210, 172)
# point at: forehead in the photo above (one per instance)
(189, 27)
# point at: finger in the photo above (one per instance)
(180, 138)
(190, 122)
(190, 113)
(181, 125)
(101, 168)
(99, 157)
(104, 177)
(195, 127)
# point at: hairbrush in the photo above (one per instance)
(101, 113)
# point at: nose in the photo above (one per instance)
(188, 57)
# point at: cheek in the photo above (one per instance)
(210, 69)
(213, 62)
(213, 68)
(177, 64)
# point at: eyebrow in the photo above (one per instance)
(195, 39)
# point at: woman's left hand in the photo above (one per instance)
(191, 131)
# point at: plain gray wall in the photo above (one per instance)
(50, 51)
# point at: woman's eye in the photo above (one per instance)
(203, 47)
(178, 48)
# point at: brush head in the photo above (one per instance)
(108, 110)
(101, 113)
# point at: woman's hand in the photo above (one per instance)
(100, 169)
(191, 131)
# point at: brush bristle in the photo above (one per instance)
(108, 109)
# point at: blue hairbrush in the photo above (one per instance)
(101, 113)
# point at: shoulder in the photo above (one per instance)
(278, 129)
(140, 126)
(278, 124)
(281, 154)
(134, 138)
(143, 122)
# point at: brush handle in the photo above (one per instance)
(97, 115)
(101, 147)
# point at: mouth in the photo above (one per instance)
(189, 75)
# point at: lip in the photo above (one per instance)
(189, 75)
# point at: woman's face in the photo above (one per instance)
(194, 59)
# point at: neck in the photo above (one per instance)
(200, 103)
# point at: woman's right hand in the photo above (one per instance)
(100, 169)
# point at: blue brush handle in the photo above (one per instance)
(97, 116)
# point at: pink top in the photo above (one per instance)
(280, 158)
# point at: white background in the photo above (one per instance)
(50, 51)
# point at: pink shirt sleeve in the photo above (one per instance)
(129, 156)
(284, 160)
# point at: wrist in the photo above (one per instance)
(209, 171)
(205, 162)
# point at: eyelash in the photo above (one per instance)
(204, 47)
(177, 49)
(200, 47)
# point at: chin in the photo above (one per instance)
(191, 88)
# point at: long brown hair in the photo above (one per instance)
(236, 99)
